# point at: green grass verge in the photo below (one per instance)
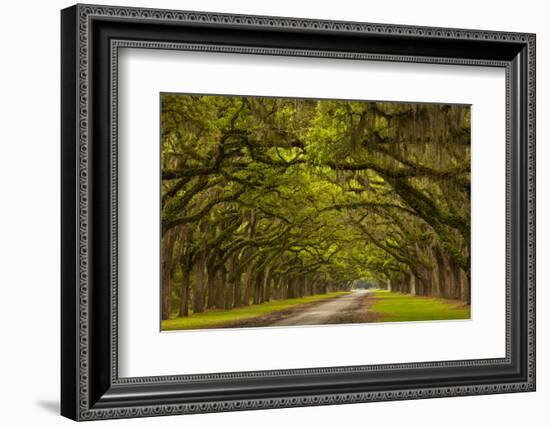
(404, 307)
(219, 318)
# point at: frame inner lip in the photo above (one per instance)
(116, 44)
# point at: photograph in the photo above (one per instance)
(279, 211)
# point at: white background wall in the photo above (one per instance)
(29, 212)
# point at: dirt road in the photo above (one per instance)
(332, 311)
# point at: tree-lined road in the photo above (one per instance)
(267, 200)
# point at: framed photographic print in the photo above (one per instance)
(263, 212)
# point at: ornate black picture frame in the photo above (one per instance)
(91, 388)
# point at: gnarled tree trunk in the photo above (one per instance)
(167, 272)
